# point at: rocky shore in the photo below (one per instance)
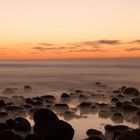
(50, 116)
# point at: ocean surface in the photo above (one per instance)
(58, 76)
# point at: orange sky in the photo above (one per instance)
(41, 29)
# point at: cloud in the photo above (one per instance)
(136, 41)
(96, 44)
(109, 42)
(39, 48)
(46, 44)
(48, 48)
(88, 50)
(133, 49)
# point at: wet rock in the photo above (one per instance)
(68, 115)
(48, 98)
(61, 107)
(103, 106)
(8, 135)
(78, 91)
(31, 137)
(93, 109)
(117, 118)
(128, 107)
(27, 88)
(19, 124)
(136, 101)
(82, 97)
(117, 91)
(65, 96)
(27, 106)
(111, 128)
(22, 124)
(13, 108)
(9, 91)
(44, 115)
(136, 131)
(93, 132)
(85, 105)
(33, 102)
(131, 91)
(3, 126)
(114, 100)
(10, 123)
(55, 130)
(104, 114)
(97, 83)
(128, 136)
(95, 138)
(2, 103)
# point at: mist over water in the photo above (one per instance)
(62, 75)
(57, 76)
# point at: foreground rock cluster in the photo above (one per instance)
(119, 105)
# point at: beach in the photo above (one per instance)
(86, 93)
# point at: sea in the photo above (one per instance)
(65, 75)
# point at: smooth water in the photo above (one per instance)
(57, 76)
(60, 75)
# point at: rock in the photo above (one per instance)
(65, 96)
(3, 126)
(95, 138)
(27, 88)
(128, 107)
(131, 91)
(68, 115)
(13, 108)
(55, 130)
(93, 132)
(9, 91)
(44, 115)
(78, 91)
(136, 131)
(22, 124)
(48, 98)
(104, 114)
(2, 103)
(97, 83)
(10, 123)
(61, 107)
(103, 106)
(114, 100)
(136, 101)
(8, 135)
(111, 128)
(85, 105)
(128, 136)
(117, 118)
(93, 109)
(33, 102)
(31, 137)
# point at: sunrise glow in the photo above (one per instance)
(44, 29)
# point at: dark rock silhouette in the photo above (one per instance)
(31, 137)
(131, 91)
(9, 91)
(93, 132)
(9, 135)
(3, 126)
(55, 130)
(136, 101)
(44, 115)
(27, 88)
(22, 124)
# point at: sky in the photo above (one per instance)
(44, 29)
